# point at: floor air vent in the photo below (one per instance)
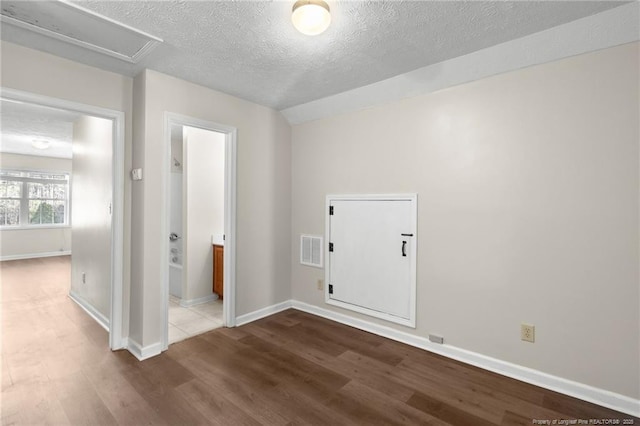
(79, 26)
(311, 250)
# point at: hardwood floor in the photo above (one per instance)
(288, 369)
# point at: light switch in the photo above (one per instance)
(136, 174)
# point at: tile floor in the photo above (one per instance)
(194, 320)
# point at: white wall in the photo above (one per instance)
(32, 162)
(175, 219)
(528, 210)
(177, 138)
(263, 196)
(32, 242)
(175, 209)
(91, 196)
(37, 72)
(204, 201)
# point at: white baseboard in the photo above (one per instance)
(35, 255)
(198, 301)
(588, 393)
(141, 352)
(88, 308)
(261, 313)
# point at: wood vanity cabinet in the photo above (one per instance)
(218, 269)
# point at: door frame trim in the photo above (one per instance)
(413, 198)
(116, 340)
(230, 166)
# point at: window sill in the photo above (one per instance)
(32, 228)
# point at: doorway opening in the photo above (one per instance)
(199, 219)
(68, 199)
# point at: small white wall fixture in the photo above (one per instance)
(173, 119)
(370, 255)
(116, 338)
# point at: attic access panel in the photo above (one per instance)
(370, 254)
(79, 26)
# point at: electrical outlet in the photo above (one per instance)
(84, 278)
(436, 339)
(320, 284)
(528, 332)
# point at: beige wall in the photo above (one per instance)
(32, 162)
(91, 196)
(263, 194)
(204, 198)
(136, 318)
(21, 242)
(37, 72)
(528, 210)
(26, 243)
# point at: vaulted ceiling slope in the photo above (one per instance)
(251, 50)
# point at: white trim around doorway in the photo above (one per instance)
(116, 338)
(228, 303)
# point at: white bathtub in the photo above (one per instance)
(175, 279)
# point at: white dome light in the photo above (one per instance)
(311, 17)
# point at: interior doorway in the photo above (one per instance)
(199, 219)
(97, 138)
(196, 231)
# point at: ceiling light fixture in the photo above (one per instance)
(311, 17)
(40, 143)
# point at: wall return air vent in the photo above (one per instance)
(79, 26)
(311, 250)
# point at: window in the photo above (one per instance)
(32, 199)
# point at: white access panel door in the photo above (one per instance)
(372, 255)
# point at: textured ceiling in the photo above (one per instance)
(251, 50)
(21, 123)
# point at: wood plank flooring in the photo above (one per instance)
(288, 369)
